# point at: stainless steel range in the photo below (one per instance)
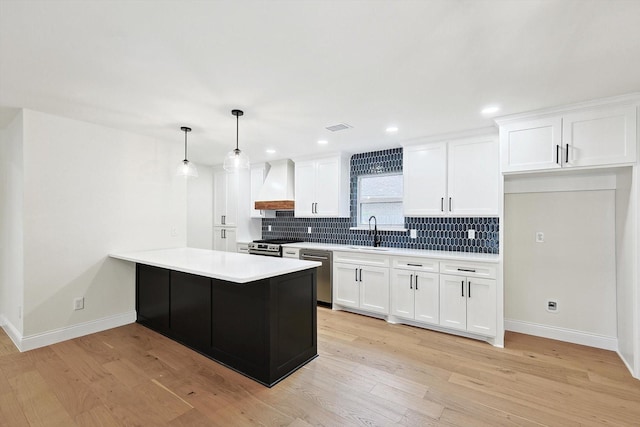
(270, 247)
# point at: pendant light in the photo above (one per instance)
(186, 168)
(236, 159)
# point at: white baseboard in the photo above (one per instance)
(562, 334)
(628, 365)
(11, 331)
(30, 342)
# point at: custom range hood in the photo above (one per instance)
(277, 190)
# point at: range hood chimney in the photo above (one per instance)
(277, 190)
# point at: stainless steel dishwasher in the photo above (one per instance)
(324, 273)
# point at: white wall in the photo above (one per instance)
(200, 209)
(575, 265)
(626, 265)
(11, 225)
(88, 191)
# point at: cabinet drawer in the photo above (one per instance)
(416, 264)
(468, 269)
(291, 252)
(361, 258)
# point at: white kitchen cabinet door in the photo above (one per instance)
(531, 145)
(402, 294)
(374, 289)
(225, 198)
(427, 297)
(599, 137)
(322, 187)
(481, 306)
(473, 177)
(346, 289)
(327, 187)
(224, 239)
(305, 188)
(453, 302)
(425, 180)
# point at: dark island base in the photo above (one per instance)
(265, 329)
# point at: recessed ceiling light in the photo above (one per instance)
(270, 151)
(392, 129)
(323, 142)
(490, 109)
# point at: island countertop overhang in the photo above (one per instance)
(229, 266)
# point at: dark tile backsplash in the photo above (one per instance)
(442, 234)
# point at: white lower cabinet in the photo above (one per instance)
(224, 239)
(414, 296)
(291, 253)
(454, 295)
(468, 304)
(361, 281)
(415, 289)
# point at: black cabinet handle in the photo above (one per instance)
(462, 287)
(469, 292)
(414, 265)
(356, 274)
(567, 158)
(416, 282)
(441, 204)
(361, 275)
(557, 154)
(411, 282)
(449, 204)
(470, 270)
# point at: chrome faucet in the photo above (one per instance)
(376, 238)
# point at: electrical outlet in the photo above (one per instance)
(413, 233)
(471, 234)
(268, 228)
(539, 237)
(174, 232)
(309, 230)
(552, 306)
(78, 303)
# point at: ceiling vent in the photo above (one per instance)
(339, 126)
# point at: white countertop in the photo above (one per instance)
(444, 255)
(229, 266)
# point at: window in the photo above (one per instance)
(380, 195)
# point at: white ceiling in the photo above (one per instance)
(295, 67)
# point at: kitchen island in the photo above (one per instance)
(256, 315)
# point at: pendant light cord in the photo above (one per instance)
(185, 145)
(237, 130)
(185, 130)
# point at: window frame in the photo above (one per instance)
(377, 199)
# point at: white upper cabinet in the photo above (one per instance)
(587, 137)
(473, 177)
(322, 187)
(424, 171)
(225, 198)
(602, 137)
(455, 178)
(531, 145)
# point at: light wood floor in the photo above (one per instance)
(369, 373)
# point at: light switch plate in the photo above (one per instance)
(413, 234)
(539, 237)
(471, 234)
